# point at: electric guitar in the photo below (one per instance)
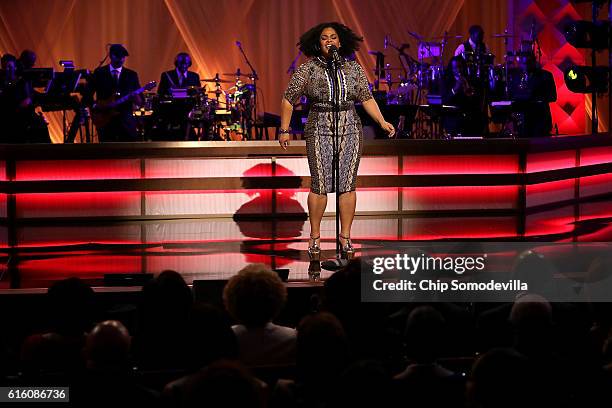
(106, 109)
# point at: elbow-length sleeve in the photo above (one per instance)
(363, 86)
(297, 85)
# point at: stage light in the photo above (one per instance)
(581, 79)
(585, 34)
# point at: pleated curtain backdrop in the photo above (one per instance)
(154, 31)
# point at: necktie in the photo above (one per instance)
(115, 73)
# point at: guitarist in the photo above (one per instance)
(111, 82)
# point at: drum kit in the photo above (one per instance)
(419, 81)
(221, 109)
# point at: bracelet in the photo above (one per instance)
(284, 131)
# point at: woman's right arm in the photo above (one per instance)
(286, 111)
(295, 89)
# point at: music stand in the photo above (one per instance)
(61, 86)
(63, 83)
(39, 77)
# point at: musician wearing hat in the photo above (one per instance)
(114, 122)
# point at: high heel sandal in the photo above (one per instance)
(314, 250)
(347, 251)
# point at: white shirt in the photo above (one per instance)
(112, 69)
(181, 77)
(461, 48)
(268, 345)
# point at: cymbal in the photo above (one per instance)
(505, 35)
(448, 37)
(218, 80)
(236, 74)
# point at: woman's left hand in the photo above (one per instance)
(387, 127)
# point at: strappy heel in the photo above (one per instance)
(314, 250)
(347, 251)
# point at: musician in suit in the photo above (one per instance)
(532, 89)
(173, 124)
(179, 77)
(110, 81)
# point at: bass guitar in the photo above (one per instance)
(106, 109)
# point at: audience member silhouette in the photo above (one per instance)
(108, 378)
(322, 356)
(163, 323)
(71, 313)
(424, 381)
(254, 297)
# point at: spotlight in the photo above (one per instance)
(581, 79)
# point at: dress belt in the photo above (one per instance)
(345, 106)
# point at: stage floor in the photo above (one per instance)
(203, 249)
(206, 209)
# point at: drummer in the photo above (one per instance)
(475, 44)
(174, 107)
(179, 77)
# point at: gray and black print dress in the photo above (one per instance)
(312, 79)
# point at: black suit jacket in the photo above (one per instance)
(165, 83)
(104, 86)
(532, 99)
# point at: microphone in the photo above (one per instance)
(238, 44)
(333, 51)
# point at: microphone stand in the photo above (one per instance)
(333, 66)
(291, 69)
(254, 78)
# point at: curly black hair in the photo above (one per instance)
(349, 41)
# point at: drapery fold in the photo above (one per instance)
(154, 31)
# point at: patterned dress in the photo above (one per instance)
(313, 80)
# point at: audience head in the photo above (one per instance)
(342, 291)
(424, 334)
(166, 299)
(531, 318)
(500, 378)
(71, 304)
(363, 384)
(254, 296)
(223, 384)
(321, 347)
(108, 347)
(536, 271)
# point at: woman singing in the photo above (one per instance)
(313, 80)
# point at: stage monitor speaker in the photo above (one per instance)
(209, 291)
(127, 279)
